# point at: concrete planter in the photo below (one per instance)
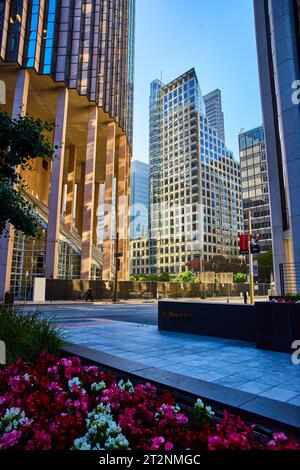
(272, 326)
(234, 321)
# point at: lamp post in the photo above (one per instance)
(251, 274)
(117, 265)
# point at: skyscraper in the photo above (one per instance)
(139, 199)
(278, 51)
(71, 63)
(195, 205)
(214, 113)
(255, 189)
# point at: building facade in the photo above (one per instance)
(195, 204)
(214, 113)
(255, 188)
(139, 199)
(140, 256)
(70, 63)
(278, 50)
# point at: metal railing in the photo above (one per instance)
(289, 278)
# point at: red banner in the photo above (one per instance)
(244, 244)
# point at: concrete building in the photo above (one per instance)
(195, 203)
(214, 113)
(71, 63)
(140, 256)
(255, 189)
(278, 50)
(139, 199)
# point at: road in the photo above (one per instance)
(139, 313)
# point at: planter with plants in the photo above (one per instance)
(59, 403)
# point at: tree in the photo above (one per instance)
(185, 276)
(220, 264)
(195, 265)
(240, 278)
(21, 141)
(163, 277)
(265, 266)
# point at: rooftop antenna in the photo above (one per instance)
(161, 75)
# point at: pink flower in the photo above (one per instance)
(169, 446)
(181, 418)
(157, 442)
(9, 439)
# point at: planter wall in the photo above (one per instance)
(278, 325)
(272, 326)
(234, 321)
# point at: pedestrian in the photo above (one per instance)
(89, 295)
(245, 295)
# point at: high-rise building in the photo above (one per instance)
(139, 256)
(277, 25)
(255, 189)
(139, 199)
(71, 63)
(214, 113)
(195, 203)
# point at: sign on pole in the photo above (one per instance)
(244, 244)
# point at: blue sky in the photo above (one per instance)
(217, 37)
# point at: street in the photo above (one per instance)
(137, 313)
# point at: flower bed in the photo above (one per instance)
(62, 404)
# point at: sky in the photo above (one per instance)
(217, 38)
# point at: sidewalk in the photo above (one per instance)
(137, 301)
(232, 373)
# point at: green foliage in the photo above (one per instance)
(21, 141)
(27, 334)
(185, 276)
(265, 266)
(202, 414)
(239, 278)
(221, 264)
(162, 277)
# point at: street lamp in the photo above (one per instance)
(251, 274)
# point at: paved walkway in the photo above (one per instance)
(235, 364)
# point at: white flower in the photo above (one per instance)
(126, 386)
(75, 383)
(102, 431)
(97, 387)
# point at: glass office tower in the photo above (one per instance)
(71, 63)
(139, 200)
(195, 204)
(255, 189)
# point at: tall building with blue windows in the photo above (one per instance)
(139, 199)
(195, 203)
(70, 63)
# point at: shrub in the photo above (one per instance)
(240, 278)
(186, 276)
(27, 334)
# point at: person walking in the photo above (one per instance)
(89, 295)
